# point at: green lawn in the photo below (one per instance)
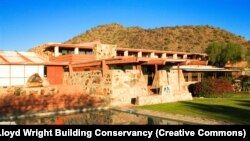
(234, 109)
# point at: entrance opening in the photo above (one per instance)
(156, 90)
(149, 73)
(133, 101)
(45, 71)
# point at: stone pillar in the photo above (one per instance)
(126, 53)
(175, 56)
(56, 51)
(104, 51)
(76, 51)
(185, 56)
(138, 67)
(139, 54)
(152, 55)
(164, 55)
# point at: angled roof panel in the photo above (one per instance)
(14, 57)
(32, 57)
(2, 61)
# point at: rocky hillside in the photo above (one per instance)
(39, 50)
(179, 38)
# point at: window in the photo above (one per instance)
(86, 51)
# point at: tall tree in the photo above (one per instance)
(214, 51)
(232, 52)
(220, 53)
(247, 55)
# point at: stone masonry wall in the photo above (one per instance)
(117, 85)
(127, 85)
(161, 79)
(173, 81)
(170, 78)
(120, 87)
(104, 51)
(90, 82)
(170, 89)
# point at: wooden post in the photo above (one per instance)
(104, 67)
(25, 72)
(156, 68)
(179, 76)
(10, 74)
(199, 76)
(202, 75)
(70, 69)
(190, 76)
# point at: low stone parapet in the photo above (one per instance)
(156, 99)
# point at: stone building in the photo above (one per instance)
(122, 75)
(118, 76)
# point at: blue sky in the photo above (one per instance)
(28, 23)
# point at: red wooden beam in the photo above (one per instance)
(87, 64)
(179, 76)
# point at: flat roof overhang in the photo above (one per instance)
(92, 44)
(209, 70)
(72, 46)
(128, 60)
(148, 51)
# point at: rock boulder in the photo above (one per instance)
(34, 81)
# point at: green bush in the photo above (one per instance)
(17, 92)
(245, 82)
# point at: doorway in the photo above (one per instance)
(148, 73)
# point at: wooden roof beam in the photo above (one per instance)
(4, 59)
(23, 57)
(87, 64)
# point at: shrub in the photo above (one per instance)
(17, 91)
(211, 88)
(245, 82)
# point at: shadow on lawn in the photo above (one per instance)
(245, 103)
(227, 113)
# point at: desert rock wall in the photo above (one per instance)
(91, 82)
(104, 51)
(117, 85)
(126, 86)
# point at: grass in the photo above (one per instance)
(235, 109)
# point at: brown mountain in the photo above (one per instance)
(179, 38)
